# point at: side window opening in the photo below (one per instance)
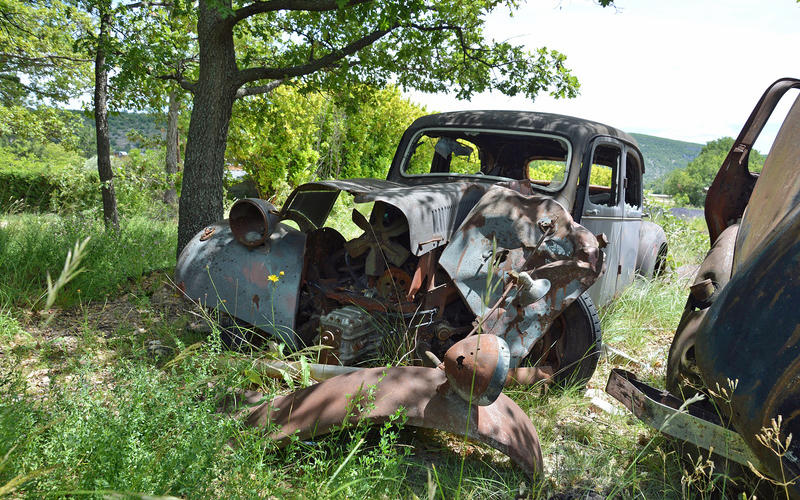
(603, 175)
(633, 181)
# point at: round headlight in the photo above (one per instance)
(252, 220)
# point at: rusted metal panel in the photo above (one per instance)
(751, 334)
(375, 394)
(716, 269)
(668, 414)
(220, 273)
(730, 191)
(432, 211)
(508, 232)
(477, 368)
(777, 190)
(310, 204)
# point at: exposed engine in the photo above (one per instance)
(433, 264)
(363, 297)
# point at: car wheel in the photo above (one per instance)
(571, 347)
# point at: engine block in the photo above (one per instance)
(360, 341)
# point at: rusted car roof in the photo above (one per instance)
(523, 121)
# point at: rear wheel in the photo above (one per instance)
(571, 347)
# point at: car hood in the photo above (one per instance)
(433, 211)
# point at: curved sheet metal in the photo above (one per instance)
(220, 273)
(503, 235)
(375, 394)
(752, 334)
(433, 211)
(777, 190)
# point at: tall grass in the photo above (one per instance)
(147, 424)
(32, 245)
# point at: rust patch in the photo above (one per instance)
(207, 233)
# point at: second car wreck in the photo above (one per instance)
(738, 341)
(471, 255)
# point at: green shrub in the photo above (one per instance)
(140, 181)
(34, 179)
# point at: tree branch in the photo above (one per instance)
(34, 90)
(263, 73)
(260, 7)
(260, 89)
(137, 5)
(466, 50)
(185, 84)
(51, 58)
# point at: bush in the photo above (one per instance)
(36, 180)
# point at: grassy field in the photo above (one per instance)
(118, 395)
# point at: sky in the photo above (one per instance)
(683, 69)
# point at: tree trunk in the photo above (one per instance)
(200, 203)
(110, 216)
(170, 196)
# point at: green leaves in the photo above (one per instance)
(429, 46)
(38, 58)
(292, 137)
(690, 183)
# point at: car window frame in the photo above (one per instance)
(450, 175)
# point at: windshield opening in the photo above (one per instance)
(540, 158)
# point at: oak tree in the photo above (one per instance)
(250, 47)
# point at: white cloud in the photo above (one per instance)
(683, 69)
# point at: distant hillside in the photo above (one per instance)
(119, 124)
(662, 156)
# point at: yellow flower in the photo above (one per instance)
(273, 278)
(281, 273)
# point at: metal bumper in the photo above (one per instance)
(663, 411)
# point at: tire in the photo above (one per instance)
(572, 345)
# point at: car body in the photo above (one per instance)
(485, 225)
(738, 341)
(444, 164)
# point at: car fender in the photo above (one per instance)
(259, 286)
(652, 239)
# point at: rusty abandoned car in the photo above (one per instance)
(485, 237)
(738, 341)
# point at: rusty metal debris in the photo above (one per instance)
(738, 341)
(427, 398)
(668, 414)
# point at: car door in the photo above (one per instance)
(631, 195)
(603, 210)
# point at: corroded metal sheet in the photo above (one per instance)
(220, 273)
(375, 394)
(751, 334)
(682, 372)
(777, 190)
(432, 211)
(664, 412)
(508, 232)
